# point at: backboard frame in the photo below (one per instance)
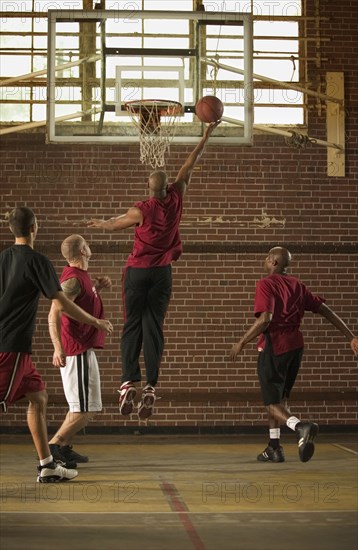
(200, 20)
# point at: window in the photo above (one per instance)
(278, 53)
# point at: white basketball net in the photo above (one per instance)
(154, 134)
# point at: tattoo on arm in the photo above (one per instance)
(71, 288)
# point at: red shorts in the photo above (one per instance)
(18, 377)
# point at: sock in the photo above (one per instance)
(292, 422)
(46, 461)
(274, 438)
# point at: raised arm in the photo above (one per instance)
(337, 322)
(184, 174)
(132, 217)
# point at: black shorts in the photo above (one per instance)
(277, 373)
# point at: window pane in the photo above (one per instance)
(277, 69)
(15, 42)
(272, 115)
(15, 65)
(182, 5)
(38, 112)
(166, 26)
(12, 112)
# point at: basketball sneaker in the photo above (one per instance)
(71, 455)
(306, 433)
(54, 473)
(127, 393)
(271, 455)
(146, 404)
(59, 457)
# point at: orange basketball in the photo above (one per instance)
(209, 109)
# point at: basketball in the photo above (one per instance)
(209, 109)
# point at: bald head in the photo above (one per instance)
(278, 259)
(71, 247)
(157, 183)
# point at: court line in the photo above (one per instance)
(238, 512)
(178, 505)
(345, 448)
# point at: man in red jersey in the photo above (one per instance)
(25, 274)
(280, 303)
(74, 344)
(147, 279)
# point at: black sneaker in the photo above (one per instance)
(54, 473)
(271, 455)
(58, 456)
(306, 433)
(71, 455)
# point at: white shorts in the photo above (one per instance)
(81, 382)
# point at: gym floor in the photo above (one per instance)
(182, 493)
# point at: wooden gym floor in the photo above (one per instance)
(182, 493)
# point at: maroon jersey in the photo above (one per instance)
(157, 241)
(79, 337)
(287, 298)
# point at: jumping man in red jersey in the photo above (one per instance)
(147, 279)
(280, 303)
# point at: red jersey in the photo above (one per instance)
(79, 337)
(287, 298)
(157, 241)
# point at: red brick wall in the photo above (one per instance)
(242, 201)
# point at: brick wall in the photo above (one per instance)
(242, 201)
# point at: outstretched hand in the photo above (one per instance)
(94, 222)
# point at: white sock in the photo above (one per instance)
(292, 422)
(46, 461)
(274, 433)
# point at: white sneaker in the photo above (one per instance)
(127, 393)
(146, 404)
(54, 473)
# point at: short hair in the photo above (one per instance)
(72, 246)
(21, 220)
(158, 180)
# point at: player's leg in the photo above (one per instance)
(158, 299)
(82, 388)
(60, 444)
(36, 421)
(18, 379)
(135, 287)
(272, 384)
(287, 366)
(49, 471)
(306, 432)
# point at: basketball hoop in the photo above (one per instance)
(154, 136)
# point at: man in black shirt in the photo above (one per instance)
(24, 275)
